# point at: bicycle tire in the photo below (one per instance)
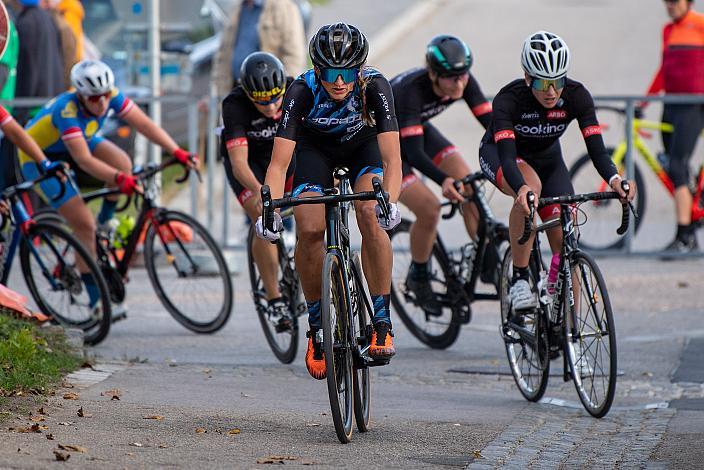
(95, 328)
(362, 376)
(530, 366)
(168, 296)
(444, 328)
(587, 386)
(338, 354)
(586, 180)
(285, 351)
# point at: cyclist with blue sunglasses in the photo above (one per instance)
(520, 151)
(340, 113)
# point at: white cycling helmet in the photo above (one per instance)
(545, 55)
(92, 78)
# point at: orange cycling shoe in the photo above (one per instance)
(315, 359)
(382, 346)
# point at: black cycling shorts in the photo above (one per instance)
(548, 164)
(258, 165)
(688, 121)
(316, 161)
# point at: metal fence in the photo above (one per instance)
(213, 171)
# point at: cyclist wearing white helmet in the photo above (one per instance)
(530, 115)
(66, 130)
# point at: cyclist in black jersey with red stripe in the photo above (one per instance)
(251, 114)
(520, 152)
(421, 94)
(339, 113)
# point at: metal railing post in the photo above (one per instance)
(630, 166)
(193, 148)
(212, 122)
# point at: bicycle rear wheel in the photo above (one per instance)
(600, 232)
(591, 343)
(436, 331)
(282, 343)
(527, 344)
(338, 353)
(50, 258)
(362, 378)
(188, 272)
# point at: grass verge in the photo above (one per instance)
(32, 359)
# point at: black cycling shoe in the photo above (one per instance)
(681, 246)
(425, 297)
(278, 309)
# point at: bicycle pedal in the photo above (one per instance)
(377, 362)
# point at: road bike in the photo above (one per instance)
(455, 274)
(575, 321)
(283, 341)
(185, 265)
(345, 304)
(600, 213)
(58, 269)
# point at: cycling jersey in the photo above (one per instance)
(246, 126)
(64, 118)
(5, 116)
(682, 68)
(521, 126)
(416, 103)
(308, 106)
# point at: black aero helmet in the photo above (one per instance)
(448, 55)
(262, 76)
(338, 45)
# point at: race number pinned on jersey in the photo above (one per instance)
(4, 28)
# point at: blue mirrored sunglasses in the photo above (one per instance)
(330, 75)
(541, 84)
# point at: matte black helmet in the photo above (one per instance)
(338, 45)
(448, 55)
(262, 76)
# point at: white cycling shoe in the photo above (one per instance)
(522, 296)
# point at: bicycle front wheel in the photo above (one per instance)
(591, 341)
(188, 272)
(65, 281)
(526, 342)
(436, 331)
(283, 343)
(600, 232)
(362, 332)
(336, 347)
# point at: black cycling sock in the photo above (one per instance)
(520, 273)
(275, 299)
(419, 271)
(684, 231)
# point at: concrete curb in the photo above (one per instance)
(382, 42)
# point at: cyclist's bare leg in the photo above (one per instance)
(80, 219)
(455, 166)
(377, 257)
(426, 207)
(310, 227)
(683, 205)
(114, 156)
(265, 253)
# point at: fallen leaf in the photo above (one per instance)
(71, 396)
(19, 393)
(61, 456)
(25, 430)
(648, 374)
(136, 444)
(308, 462)
(50, 437)
(43, 427)
(312, 425)
(66, 385)
(200, 431)
(163, 446)
(36, 419)
(115, 397)
(275, 459)
(41, 411)
(207, 371)
(87, 365)
(65, 423)
(244, 395)
(477, 454)
(83, 414)
(682, 284)
(232, 432)
(72, 448)
(156, 417)
(114, 394)
(130, 454)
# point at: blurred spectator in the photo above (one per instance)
(40, 66)
(73, 13)
(273, 26)
(68, 39)
(682, 72)
(8, 76)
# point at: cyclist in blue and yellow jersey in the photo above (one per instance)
(520, 151)
(421, 94)
(251, 114)
(340, 113)
(66, 129)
